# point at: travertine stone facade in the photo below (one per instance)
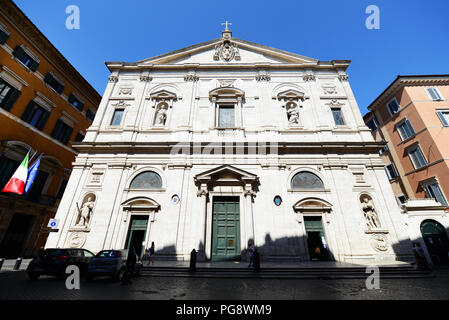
(231, 118)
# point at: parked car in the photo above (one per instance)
(111, 263)
(55, 262)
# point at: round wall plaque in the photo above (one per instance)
(175, 199)
(277, 200)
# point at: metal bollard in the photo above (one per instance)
(17, 265)
(192, 261)
(1, 262)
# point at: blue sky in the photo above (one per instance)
(412, 39)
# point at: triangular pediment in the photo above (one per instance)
(247, 53)
(226, 173)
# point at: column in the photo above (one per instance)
(249, 218)
(204, 251)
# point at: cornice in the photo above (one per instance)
(11, 13)
(282, 147)
(404, 81)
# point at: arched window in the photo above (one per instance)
(147, 180)
(306, 180)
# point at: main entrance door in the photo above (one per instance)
(226, 228)
(316, 242)
(136, 233)
(436, 241)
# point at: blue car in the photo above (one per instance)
(111, 263)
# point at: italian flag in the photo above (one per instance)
(17, 181)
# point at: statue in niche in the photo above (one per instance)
(292, 113)
(161, 115)
(85, 213)
(372, 220)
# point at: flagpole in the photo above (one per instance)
(40, 156)
(31, 158)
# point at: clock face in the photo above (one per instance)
(277, 200)
(175, 199)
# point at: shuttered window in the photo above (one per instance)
(393, 106)
(62, 132)
(405, 129)
(74, 101)
(36, 115)
(417, 157)
(54, 83)
(4, 34)
(434, 94)
(444, 117)
(8, 95)
(433, 190)
(26, 58)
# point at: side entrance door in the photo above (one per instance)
(226, 229)
(136, 233)
(316, 242)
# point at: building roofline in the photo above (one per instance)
(406, 79)
(15, 16)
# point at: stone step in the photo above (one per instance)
(291, 273)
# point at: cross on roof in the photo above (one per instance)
(226, 24)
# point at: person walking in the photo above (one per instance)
(130, 264)
(150, 254)
(251, 251)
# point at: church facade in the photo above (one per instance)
(229, 143)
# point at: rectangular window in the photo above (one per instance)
(62, 132)
(405, 129)
(401, 199)
(54, 83)
(26, 58)
(391, 171)
(393, 106)
(226, 117)
(76, 102)
(417, 157)
(444, 117)
(338, 116)
(4, 34)
(433, 190)
(8, 95)
(371, 123)
(36, 115)
(434, 94)
(117, 117)
(90, 115)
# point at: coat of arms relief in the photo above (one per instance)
(226, 51)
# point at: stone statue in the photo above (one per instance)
(85, 213)
(370, 214)
(161, 116)
(292, 114)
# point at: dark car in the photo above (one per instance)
(111, 263)
(55, 262)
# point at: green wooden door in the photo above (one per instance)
(226, 229)
(316, 242)
(136, 233)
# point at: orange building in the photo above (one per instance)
(45, 105)
(412, 117)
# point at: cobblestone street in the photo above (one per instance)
(15, 285)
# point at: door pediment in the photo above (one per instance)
(141, 203)
(226, 173)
